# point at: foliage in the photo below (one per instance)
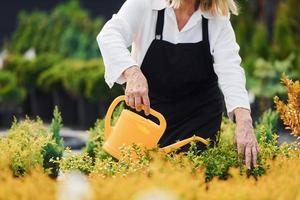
(78, 77)
(76, 162)
(243, 26)
(48, 72)
(29, 70)
(93, 152)
(22, 148)
(267, 123)
(35, 185)
(215, 162)
(169, 181)
(68, 30)
(286, 29)
(54, 150)
(166, 180)
(218, 161)
(271, 51)
(10, 92)
(202, 172)
(290, 111)
(283, 37)
(266, 75)
(96, 139)
(260, 43)
(29, 145)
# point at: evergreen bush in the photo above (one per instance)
(10, 92)
(67, 30)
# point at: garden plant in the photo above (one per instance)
(68, 72)
(31, 155)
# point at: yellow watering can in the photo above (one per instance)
(131, 128)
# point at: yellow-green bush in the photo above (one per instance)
(29, 144)
(35, 185)
(162, 178)
(175, 176)
(214, 162)
(168, 180)
(290, 111)
(21, 149)
(216, 173)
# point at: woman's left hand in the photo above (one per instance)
(245, 137)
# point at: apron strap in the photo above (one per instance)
(205, 29)
(160, 24)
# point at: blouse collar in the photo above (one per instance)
(194, 19)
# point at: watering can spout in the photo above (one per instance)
(179, 144)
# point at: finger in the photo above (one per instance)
(248, 156)
(257, 148)
(127, 100)
(234, 141)
(254, 155)
(138, 103)
(131, 102)
(146, 103)
(241, 150)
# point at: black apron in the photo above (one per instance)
(183, 87)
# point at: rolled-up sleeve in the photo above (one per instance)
(116, 37)
(227, 66)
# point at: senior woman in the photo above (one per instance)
(184, 56)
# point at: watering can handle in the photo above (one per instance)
(108, 128)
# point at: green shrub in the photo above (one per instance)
(286, 29)
(265, 81)
(219, 159)
(54, 150)
(260, 45)
(243, 26)
(81, 78)
(29, 145)
(10, 92)
(76, 162)
(67, 30)
(267, 122)
(216, 161)
(28, 71)
(23, 146)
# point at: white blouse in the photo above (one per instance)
(134, 25)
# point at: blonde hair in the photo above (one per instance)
(223, 7)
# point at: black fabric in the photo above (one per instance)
(160, 24)
(183, 87)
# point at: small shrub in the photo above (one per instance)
(23, 146)
(54, 150)
(76, 162)
(290, 112)
(29, 145)
(68, 30)
(267, 123)
(10, 92)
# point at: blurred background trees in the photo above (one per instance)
(52, 58)
(268, 34)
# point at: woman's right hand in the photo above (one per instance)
(136, 91)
